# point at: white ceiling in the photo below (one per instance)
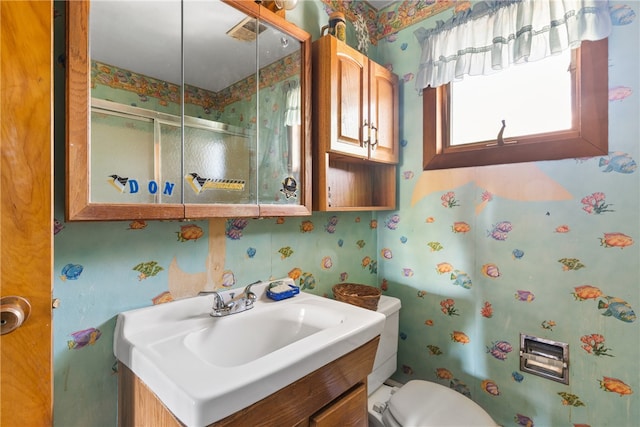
(144, 36)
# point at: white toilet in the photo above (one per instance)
(417, 403)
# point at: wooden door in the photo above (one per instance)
(383, 99)
(26, 235)
(351, 92)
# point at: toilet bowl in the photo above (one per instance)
(417, 403)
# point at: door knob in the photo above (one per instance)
(14, 311)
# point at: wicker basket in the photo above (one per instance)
(361, 295)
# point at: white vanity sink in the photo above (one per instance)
(205, 368)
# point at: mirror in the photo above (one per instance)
(136, 76)
(185, 109)
(220, 138)
(279, 113)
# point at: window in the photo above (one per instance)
(480, 103)
(448, 143)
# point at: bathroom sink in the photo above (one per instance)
(284, 326)
(205, 368)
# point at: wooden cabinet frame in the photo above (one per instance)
(78, 204)
(588, 136)
(355, 156)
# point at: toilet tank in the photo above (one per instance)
(385, 362)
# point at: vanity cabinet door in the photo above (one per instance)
(350, 409)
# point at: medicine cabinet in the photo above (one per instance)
(186, 109)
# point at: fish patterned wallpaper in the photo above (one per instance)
(473, 261)
(550, 249)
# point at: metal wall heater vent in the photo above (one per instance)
(545, 358)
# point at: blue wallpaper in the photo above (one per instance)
(480, 255)
(474, 262)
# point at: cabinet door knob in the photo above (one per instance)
(366, 125)
(373, 144)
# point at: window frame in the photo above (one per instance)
(588, 136)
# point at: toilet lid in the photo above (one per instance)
(424, 403)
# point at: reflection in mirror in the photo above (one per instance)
(136, 74)
(220, 137)
(133, 137)
(279, 106)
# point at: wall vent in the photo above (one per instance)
(545, 358)
(246, 30)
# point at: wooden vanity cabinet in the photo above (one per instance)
(355, 129)
(334, 395)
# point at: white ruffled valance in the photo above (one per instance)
(495, 34)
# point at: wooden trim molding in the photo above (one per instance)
(587, 138)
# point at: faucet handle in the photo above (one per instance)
(250, 299)
(218, 302)
(250, 296)
(247, 289)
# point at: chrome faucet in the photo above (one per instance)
(235, 305)
(219, 305)
(220, 308)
